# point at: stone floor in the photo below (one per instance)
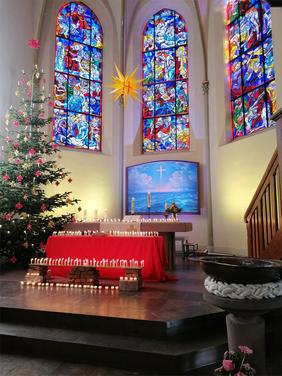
(12, 365)
(170, 300)
(157, 300)
(177, 299)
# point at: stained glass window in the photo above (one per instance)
(78, 78)
(165, 86)
(250, 61)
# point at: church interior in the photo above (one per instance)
(140, 192)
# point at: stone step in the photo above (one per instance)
(167, 356)
(158, 328)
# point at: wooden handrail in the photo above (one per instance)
(271, 164)
(263, 215)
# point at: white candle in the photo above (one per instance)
(149, 200)
(105, 213)
(132, 206)
(85, 214)
(95, 213)
(166, 205)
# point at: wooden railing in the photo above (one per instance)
(263, 216)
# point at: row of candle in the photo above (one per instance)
(111, 232)
(69, 285)
(75, 233)
(128, 220)
(133, 233)
(128, 278)
(104, 263)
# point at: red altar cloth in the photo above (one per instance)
(150, 249)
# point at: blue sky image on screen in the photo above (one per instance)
(167, 181)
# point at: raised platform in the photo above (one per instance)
(166, 328)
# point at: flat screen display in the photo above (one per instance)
(154, 185)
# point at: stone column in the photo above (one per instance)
(248, 330)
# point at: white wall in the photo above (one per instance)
(238, 166)
(96, 176)
(139, 12)
(16, 27)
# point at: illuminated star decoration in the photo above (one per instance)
(125, 85)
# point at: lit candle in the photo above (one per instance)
(105, 213)
(149, 200)
(132, 205)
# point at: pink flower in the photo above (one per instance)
(16, 145)
(55, 146)
(31, 152)
(43, 207)
(39, 161)
(6, 177)
(50, 104)
(27, 120)
(19, 206)
(16, 123)
(29, 227)
(8, 216)
(41, 115)
(245, 349)
(37, 173)
(18, 161)
(19, 178)
(33, 43)
(240, 374)
(7, 138)
(228, 365)
(25, 196)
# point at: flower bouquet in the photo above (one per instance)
(173, 209)
(233, 363)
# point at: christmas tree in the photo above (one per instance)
(26, 211)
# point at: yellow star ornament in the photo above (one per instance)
(125, 85)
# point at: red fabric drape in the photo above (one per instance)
(149, 249)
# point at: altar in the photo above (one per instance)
(148, 250)
(167, 229)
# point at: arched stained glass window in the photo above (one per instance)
(165, 85)
(250, 61)
(78, 78)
